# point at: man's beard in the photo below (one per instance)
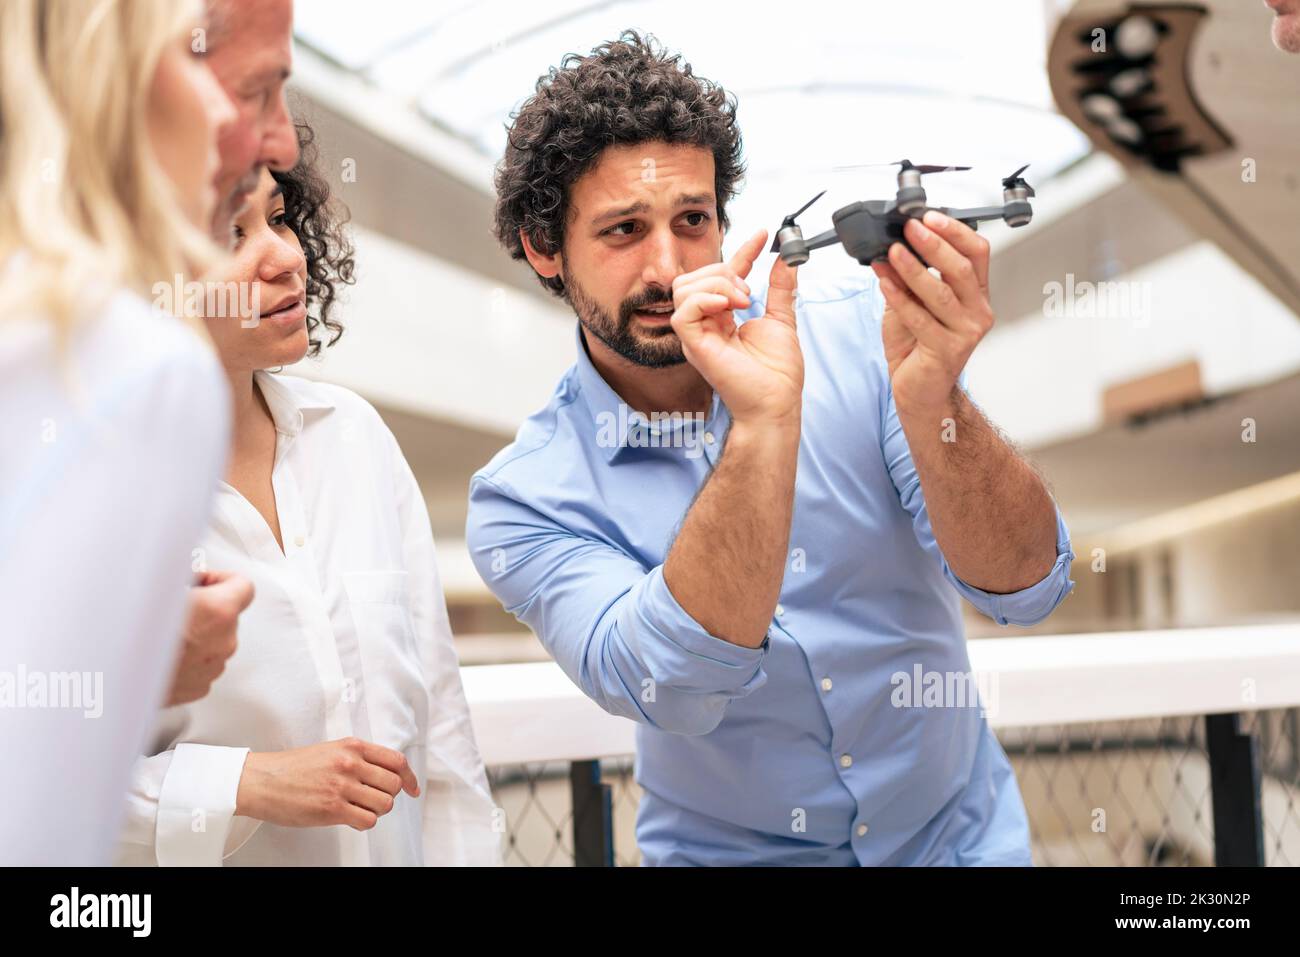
(655, 349)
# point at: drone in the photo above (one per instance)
(866, 229)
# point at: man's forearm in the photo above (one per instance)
(990, 512)
(728, 561)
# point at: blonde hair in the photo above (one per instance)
(86, 209)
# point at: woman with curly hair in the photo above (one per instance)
(339, 732)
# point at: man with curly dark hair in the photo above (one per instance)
(780, 643)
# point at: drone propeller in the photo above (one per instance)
(902, 164)
(908, 164)
(1015, 179)
(789, 221)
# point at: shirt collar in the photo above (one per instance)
(288, 403)
(609, 412)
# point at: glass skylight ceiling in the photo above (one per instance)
(821, 85)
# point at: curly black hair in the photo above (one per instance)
(318, 222)
(625, 92)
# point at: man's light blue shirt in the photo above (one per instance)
(819, 747)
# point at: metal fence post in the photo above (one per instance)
(1234, 792)
(593, 816)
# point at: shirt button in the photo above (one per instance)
(708, 438)
(862, 830)
(780, 610)
(300, 541)
(846, 760)
(826, 684)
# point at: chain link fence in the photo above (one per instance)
(1126, 793)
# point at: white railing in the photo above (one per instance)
(533, 712)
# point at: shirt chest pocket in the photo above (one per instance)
(391, 691)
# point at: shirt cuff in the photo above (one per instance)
(196, 806)
(1030, 605)
(678, 653)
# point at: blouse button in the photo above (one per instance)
(300, 541)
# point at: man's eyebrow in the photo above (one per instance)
(637, 207)
(273, 73)
(690, 199)
(696, 199)
(277, 191)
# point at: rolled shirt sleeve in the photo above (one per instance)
(1032, 604)
(613, 626)
(676, 650)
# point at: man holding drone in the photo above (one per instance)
(779, 613)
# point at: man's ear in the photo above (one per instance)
(546, 265)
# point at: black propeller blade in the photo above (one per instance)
(904, 164)
(789, 221)
(908, 164)
(1015, 179)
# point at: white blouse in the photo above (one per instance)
(110, 451)
(347, 635)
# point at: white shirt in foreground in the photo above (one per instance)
(109, 456)
(347, 636)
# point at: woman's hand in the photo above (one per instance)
(347, 781)
(216, 601)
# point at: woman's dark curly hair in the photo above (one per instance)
(318, 223)
(625, 92)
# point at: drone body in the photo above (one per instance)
(866, 229)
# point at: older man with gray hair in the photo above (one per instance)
(249, 49)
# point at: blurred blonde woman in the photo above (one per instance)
(114, 417)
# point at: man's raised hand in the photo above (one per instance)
(757, 367)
